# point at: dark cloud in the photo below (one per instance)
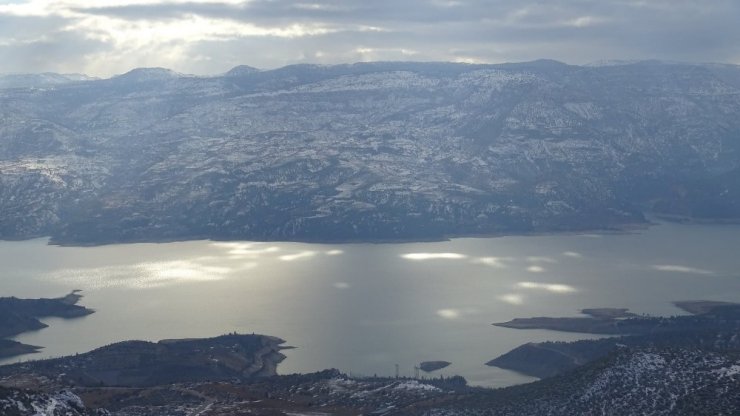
(277, 11)
(574, 31)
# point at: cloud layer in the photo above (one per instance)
(210, 36)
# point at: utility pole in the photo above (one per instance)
(396, 370)
(416, 372)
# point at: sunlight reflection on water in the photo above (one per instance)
(512, 298)
(499, 262)
(298, 256)
(433, 256)
(550, 287)
(680, 269)
(404, 302)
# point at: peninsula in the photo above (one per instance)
(22, 315)
(142, 363)
(721, 320)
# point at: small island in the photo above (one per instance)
(22, 315)
(430, 366)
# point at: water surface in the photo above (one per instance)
(363, 308)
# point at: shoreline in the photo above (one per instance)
(651, 220)
(624, 229)
(240, 356)
(24, 315)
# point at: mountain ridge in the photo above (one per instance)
(248, 69)
(370, 152)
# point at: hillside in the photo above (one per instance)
(665, 381)
(141, 363)
(22, 403)
(372, 151)
(713, 328)
(645, 381)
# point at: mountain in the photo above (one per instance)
(47, 79)
(147, 74)
(240, 71)
(370, 151)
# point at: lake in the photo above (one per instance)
(363, 308)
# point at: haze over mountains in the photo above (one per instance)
(371, 151)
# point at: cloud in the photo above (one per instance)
(41, 43)
(210, 36)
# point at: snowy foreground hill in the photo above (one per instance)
(64, 403)
(640, 382)
(631, 382)
(372, 151)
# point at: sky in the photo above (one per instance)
(107, 37)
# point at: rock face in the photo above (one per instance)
(368, 151)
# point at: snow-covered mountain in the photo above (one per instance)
(43, 80)
(369, 151)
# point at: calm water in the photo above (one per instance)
(365, 307)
